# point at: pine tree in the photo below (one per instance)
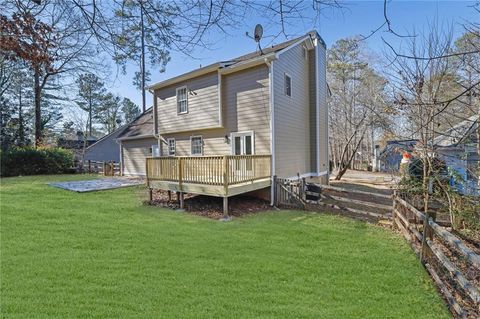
(130, 110)
(91, 94)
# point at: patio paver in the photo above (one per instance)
(98, 184)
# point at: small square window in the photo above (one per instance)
(196, 145)
(288, 85)
(171, 146)
(182, 100)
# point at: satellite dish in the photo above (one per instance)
(258, 32)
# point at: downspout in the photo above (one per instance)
(272, 127)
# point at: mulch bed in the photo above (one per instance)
(211, 207)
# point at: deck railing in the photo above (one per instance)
(209, 170)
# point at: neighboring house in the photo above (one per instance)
(136, 142)
(391, 156)
(457, 147)
(266, 110)
(76, 146)
(105, 149)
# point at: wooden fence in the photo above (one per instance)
(444, 255)
(105, 168)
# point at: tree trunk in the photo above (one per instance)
(344, 166)
(38, 110)
(142, 67)
(21, 126)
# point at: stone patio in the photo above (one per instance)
(98, 184)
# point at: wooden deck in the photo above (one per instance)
(221, 176)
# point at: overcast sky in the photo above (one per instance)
(358, 17)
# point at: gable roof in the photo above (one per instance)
(266, 52)
(456, 134)
(140, 127)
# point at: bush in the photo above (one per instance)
(31, 161)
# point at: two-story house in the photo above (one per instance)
(229, 127)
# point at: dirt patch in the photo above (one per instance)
(210, 206)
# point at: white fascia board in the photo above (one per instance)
(185, 76)
(248, 63)
(300, 41)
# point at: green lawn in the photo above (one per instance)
(104, 254)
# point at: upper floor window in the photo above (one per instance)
(288, 85)
(171, 146)
(196, 145)
(182, 100)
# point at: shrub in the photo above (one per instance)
(31, 161)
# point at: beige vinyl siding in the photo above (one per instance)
(203, 107)
(245, 103)
(292, 115)
(247, 106)
(134, 154)
(323, 109)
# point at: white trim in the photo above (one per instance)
(155, 109)
(293, 45)
(247, 64)
(285, 75)
(317, 104)
(121, 159)
(191, 137)
(174, 146)
(305, 52)
(243, 133)
(182, 77)
(219, 94)
(176, 98)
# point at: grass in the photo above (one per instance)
(104, 254)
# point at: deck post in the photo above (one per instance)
(89, 166)
(169, 196)
(225, 175)
(180, 172)
(150, 194)
(181, 199)
(225, 206)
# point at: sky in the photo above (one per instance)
(356, 18)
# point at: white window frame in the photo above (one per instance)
(244, 133)
(169, 148)
(285, 84)
(186, 99)
(191, 145)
